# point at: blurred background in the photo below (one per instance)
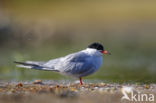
(45, 29)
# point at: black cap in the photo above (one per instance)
(97, 46)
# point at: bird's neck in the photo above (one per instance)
(92, 51)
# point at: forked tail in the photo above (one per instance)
(33, 65)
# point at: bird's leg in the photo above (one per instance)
(81, 81)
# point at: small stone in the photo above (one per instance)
(37, 82)
(102, 84)
(146, 86)
(19, 85)
(96, 87)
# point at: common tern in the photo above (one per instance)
(79, 64)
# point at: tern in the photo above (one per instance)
(79, 64)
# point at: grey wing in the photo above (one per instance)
(77, 64)
(62, 62)
(77, 57)
(80, 69)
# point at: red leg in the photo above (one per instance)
(81, 81)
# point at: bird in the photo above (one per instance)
(78, 64)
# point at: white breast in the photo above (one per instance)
(96, 57)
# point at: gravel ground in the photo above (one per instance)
(51, 91)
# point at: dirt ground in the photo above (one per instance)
(52, 92)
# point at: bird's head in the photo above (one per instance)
(99, 47)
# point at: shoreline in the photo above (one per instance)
(39, 91)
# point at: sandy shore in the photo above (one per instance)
(46, 92)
